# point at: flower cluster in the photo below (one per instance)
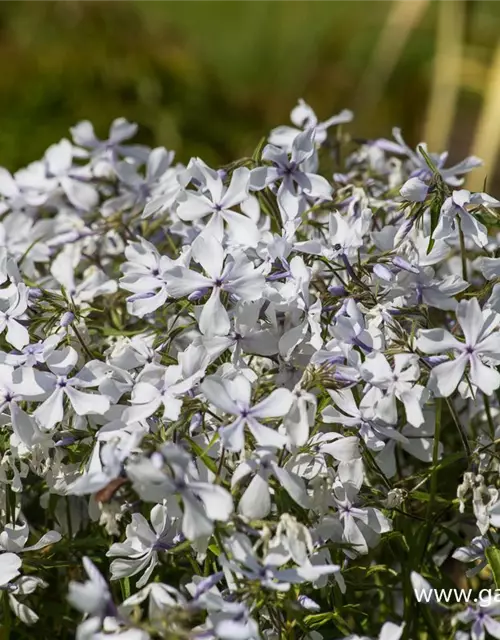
(258, 402)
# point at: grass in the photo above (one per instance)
(209, 78)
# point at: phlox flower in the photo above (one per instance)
(139, 552)
(234, 397)
(233, 274)
(482, 342)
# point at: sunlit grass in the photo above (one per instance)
(208, 78)
(447, 73)
(486, 143)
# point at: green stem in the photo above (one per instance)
(82, 342)
(7, 504)
(125, 587)
(7, 622)
(376, 468)
(489, 417)
(463, 436)
(435, 458)
(462, 250)
(68, 516)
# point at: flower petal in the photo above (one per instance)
(86, 403)
(485, 378)
(445, 378)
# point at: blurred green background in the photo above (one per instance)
(210, 78)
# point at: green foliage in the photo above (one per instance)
(207, 78)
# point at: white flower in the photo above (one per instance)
(256, 501)
(93, 596)
(295, 183)
(476, 551)
(303, 117)
(140, 550)
(267, 572)
(234, 275)
(233, 622)
(161, 597)
(372, 431)
(10, 564)
(119, 131)
(146, 275)
(25, 585)
(416, 441)
(414, 190)
(219, 201)
(418, 165)
(203, 502)
(456, 206)
(73, 180)
(59, 385)
(159, 387)
(115, 444)
(136, 189)
(482, 618)
(432, 291)
(13, 305)
(345, 237)
(387, 384)
(300, 417)
(342, 449)
(362, 526)
(14, 537)
(234, 397)
(481, 342)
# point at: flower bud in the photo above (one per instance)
(383, 272)
(65, 442)
(395, 498)
(337, 291)
(308, 603)
(140, 296)
(433, 361)
(414, 190)
(340, 178)
(196, 295)
(401, 263)
(67, 319)
(157, 460)
(403, 231)
(207, 583)
(34, 293)
(195, 422)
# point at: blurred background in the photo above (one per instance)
(211, 78)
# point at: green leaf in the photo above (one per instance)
(125, 586)
(426, 497)
(427, 159)
(493, 557)
(452, 458)
(435, 209)
(207, 460)
(317, 620)
(397, 535)
(257, 154)
(380, 568)
(180, 548)
(453, 536)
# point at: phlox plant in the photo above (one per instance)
(258, 402)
